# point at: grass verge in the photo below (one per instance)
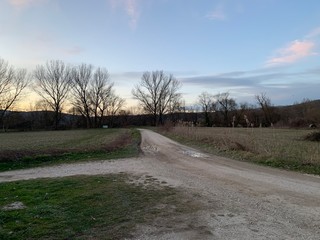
(280, 148)
(84, 207)
(32, 149)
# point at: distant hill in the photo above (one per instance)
(308, 103)
(300, 114)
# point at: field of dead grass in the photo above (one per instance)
(283, 148)
(30, 149)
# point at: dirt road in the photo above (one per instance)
(240, 200)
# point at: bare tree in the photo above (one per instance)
(52, 84)
(12, 83)
(100, 94)
(226, 105)
(268, 110)
(81, 78)
(92, 93)
(207, 103)
(114, 105)
(148, 92)
(155, 92)
(176, 107)
(170, 99)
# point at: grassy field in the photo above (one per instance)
(82, 207)
(29, 149)
(282, 148)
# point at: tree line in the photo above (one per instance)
(88, 90)
(90, 93)
(223, 106)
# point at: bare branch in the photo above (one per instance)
(52, 84)
(12, 83)
(81, 77)
(156, 92)
(91, 93)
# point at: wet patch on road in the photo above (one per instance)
(194, 154)
(150, 149)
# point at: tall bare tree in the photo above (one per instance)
(52, 84)
(81, 78)
(170, 97)
(92, 92)
(113, 106)
(207, 103)
(155, 92)
(12, 83)
(226, 104)
(268, 110)
(100, 94)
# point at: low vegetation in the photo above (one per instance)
(29, 149)
(314, 136)
(282, 148)
(82, 207)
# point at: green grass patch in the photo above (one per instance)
(32, 149)
(84, 207)
(280, 148)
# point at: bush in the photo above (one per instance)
(314, 136)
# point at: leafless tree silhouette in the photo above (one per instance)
(268, 110)
(81, 77)
(225, 105)
(53, 84)
(207, 103)
(156, 92)
(12, 83)
(100, 94)
(92, 93)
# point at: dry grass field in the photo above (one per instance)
(284, 148)
(29, 149)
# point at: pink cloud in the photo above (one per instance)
(294, 52)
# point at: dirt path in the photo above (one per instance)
(241, 201)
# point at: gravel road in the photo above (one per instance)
(240, 200)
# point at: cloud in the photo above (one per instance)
(235, 80)
(217, 14)
(283, 87)
(293, 52)
(131, 7)
(249, 79)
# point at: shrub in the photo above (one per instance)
(314, 136)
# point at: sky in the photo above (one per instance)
(244, 47)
